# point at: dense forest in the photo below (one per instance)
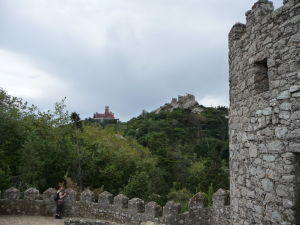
(169, 155)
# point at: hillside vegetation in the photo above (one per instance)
(169, 155)
(191, 148)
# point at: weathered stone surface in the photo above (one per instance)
(88, 222)
(197, 202)
(71, 195)
(121, 201)
(284, 95)
(265, 82)
(136, 205)
(105, 198)
(253, 151)
(267, 185)
(220, 198)
(296, 94)
(285, 106)
(275, 146)
(31, 194)
(295, 115)
(152, 209)
(12, 193)
(150, 223)
(280, 132)
(294, 135)
(294, 88)
(49, 194)
(171, 212)
(171, 208)
(281, 190)
(294, 147)
(87, 196)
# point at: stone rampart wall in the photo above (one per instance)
(119, 208)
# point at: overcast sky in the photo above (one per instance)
(128, 54)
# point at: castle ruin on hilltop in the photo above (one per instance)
(264, 125)
(187, 101)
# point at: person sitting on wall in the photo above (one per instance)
(60, 200)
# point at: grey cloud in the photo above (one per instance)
(148, 52)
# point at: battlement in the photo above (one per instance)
(236, 32)
(120, 208)
(262, 14)
(259, 10)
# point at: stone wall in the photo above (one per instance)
(118, 209)
(264, 125)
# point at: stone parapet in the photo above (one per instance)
(119, 209)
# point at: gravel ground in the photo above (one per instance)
(30, 220)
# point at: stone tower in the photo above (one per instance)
(264, 59)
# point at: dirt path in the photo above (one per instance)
(30, 220)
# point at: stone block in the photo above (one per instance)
(220, 198)
(284, 95)
(296, 94)
(267, 111)
(12, 194)
(293, 135)
(49, 194)
(236, 32)
(197, 202)
(87, 196)
(294, 147)
(71, 195)
(171, 209)
(267, 185)
(252, 151)
(269, 158)
(295, 38)
(286, 106)
(121, 201)
(153, 210)
(288, 158)
(281, 132)
(31, 194)
(136, 205)
(259, 11)
(295, 115)
(282, 190)
(275, 146)
(105, 198)
(284, 115)
(294, 88)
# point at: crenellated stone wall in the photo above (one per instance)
(119, 209)
(264, 124)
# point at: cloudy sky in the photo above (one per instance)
(128, 54)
